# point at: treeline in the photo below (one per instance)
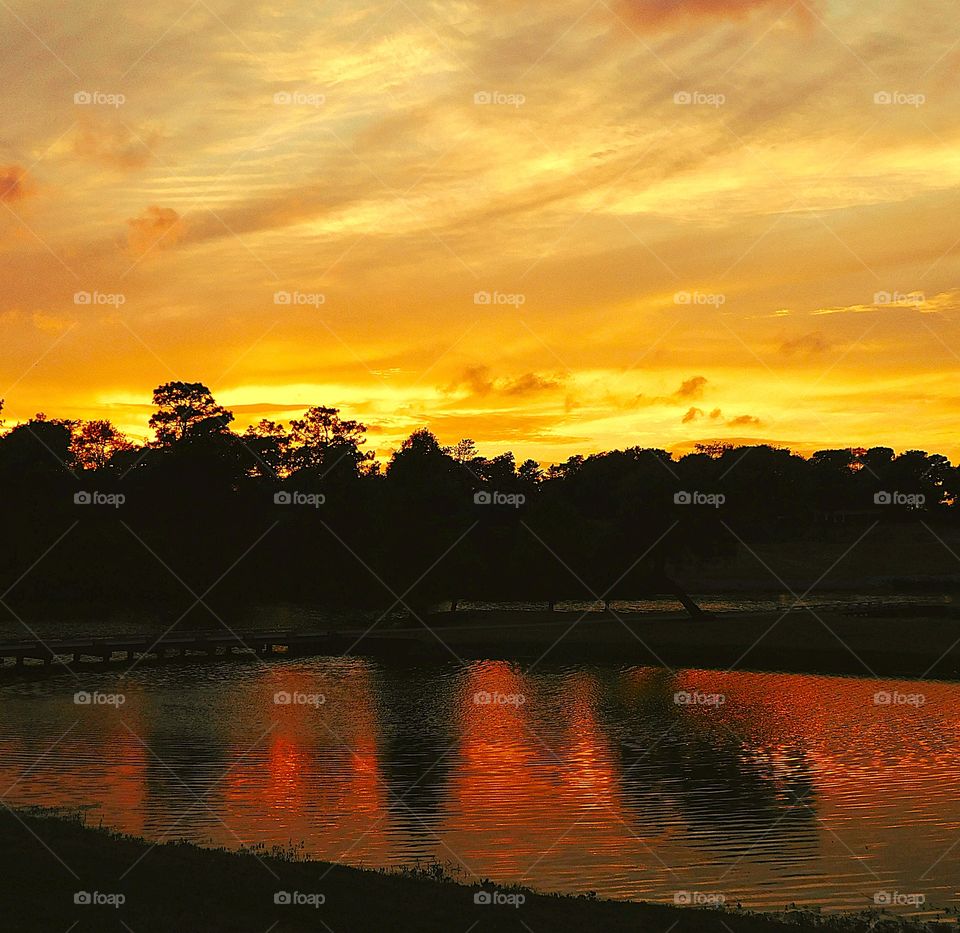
(304, 512)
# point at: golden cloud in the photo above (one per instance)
(157, 228)
(115, 146)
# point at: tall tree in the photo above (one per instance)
(95, 443)
(186, 410)
(267, 444)
(322, 440)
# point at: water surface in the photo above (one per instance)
(763, 788)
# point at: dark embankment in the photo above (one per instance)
(46, 862)
(799, 641)
(911, 642)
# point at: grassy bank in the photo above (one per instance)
(45, 861)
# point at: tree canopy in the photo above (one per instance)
(432, 521)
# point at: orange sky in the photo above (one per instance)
(700, 219)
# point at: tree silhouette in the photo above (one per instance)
(94, 444)
(322, 441)
(186, 410)
(437, 523)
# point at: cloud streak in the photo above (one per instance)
(659, 14)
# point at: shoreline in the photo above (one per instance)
(798, 641)
(49, 858)
(910, 643)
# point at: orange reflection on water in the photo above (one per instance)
(589, 764)
(320, 773)
(568, 779)
(871, 769)
(108, 769)
(536, 777)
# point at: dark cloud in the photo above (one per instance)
(658, 14)
(529, 383)
(478, 381)
(475, 378)
(691, 388)
(690, 391)
(812, 344)
(692, 415)
(155, 229)
(743, 421)
(13, 185)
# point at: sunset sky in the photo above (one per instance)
(698, 219)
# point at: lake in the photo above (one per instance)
(633, 782)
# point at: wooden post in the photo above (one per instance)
(693, 610)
